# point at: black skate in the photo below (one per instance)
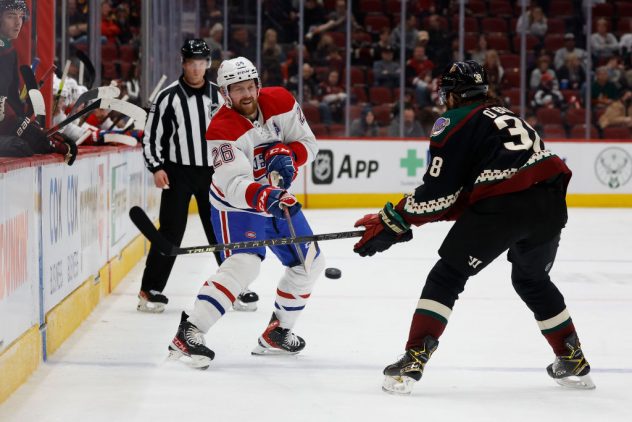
(278, 341)
(572, 370)
(151, 301)
(401, 375)
(246, 301)
(189, 341)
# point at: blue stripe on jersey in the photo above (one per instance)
(213, 302)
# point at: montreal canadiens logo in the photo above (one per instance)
(440, 126)
(251, 235)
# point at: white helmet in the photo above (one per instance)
(236, 70)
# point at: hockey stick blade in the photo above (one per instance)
(146, 227)
(74, 117)
(101, 92)
(39, 108)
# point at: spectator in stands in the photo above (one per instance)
(335, 21)
(365, 126)
(123, 22)
(615, 71)
(271, 46)
(625, 43)
(534, 22)
(439, 44)
(569, 48)
(242, 44)
(314, 15)
(419, 75)
(411, 33)
(618, 113)
(547, 95)
(412, 128)
(282, 16)
(479, 53)
(211, 13)
(333, 95)
(572, 74)
(604, 44)
(543, 66)
(327, 53)
(384, 41)
(78, 21)
(603, 91)
(311, 91)
(495, 71)
(109, 27)
(386, 71)
(215, 43)
(532, 120)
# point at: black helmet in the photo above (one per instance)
(14, 5)
(466, 79)
(195, 48)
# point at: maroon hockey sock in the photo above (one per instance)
(556, 337)
(424, 324)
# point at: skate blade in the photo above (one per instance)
(154, 308)
(401, 386)
(194, 361)
(240, 306)
(271, 351)
(577, 383)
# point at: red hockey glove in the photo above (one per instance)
(281, 159)
(383, 230)
(272, 201)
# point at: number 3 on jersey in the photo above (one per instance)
(519, 130)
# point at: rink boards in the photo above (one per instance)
(66, 240)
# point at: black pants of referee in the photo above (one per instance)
(528, 224)
(184, 182)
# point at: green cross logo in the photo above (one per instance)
(411, 162)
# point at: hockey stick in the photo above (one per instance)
(29, 80)
(46, 75)
(119, 138)
(138, 114)
(61, 86)
(101, 92)
(39, 108)
(146, 227)
(90, 72)
(157, 88)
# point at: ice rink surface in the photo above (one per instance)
(490, 364)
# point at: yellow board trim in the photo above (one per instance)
(377, 200)
(19, 361)
(129, 257)
(67, 315)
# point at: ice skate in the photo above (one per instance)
(278, 341)
(151, 301)
(402, 375)
(189, 341)
(571, 371)
(246, 301)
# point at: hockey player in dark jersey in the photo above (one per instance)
(488, 170)
(19, 136)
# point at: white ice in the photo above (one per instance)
(490, 365)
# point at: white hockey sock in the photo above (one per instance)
(293, 291)
(217, 294)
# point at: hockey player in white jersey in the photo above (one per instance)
(258, 136)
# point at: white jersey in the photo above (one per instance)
(238, 145)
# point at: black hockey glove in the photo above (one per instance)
(383, 230)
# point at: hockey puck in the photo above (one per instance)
(333, 273)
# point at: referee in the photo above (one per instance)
(175, 151)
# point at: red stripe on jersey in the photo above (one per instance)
(218, 190)
(305, 296)
(285, 295)
(225, 291)
(456, 128)
(300, 151)
(223, 216)
(523, 179)
(205, 284)
(275, 100)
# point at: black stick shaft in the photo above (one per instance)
(147, 228)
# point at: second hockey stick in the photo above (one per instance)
(147, 228)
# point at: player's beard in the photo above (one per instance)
(246, 110)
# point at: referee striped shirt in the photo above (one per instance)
(176, 125)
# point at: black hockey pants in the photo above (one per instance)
(528, 224)
(184, 181)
